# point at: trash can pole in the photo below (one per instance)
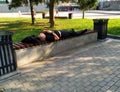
(70, 15)
(43, 15)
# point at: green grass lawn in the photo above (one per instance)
(22, 26)
(114, 26)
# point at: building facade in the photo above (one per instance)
(109, 4)
(4, 8)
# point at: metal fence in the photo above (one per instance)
(7, 55)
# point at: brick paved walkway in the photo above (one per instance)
(93, 68)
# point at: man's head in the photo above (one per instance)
(42, 36)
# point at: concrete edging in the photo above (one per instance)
(113, 36)
(40, 52)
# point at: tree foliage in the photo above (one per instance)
(18, 3)
(86, 4)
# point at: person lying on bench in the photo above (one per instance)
(50, 36)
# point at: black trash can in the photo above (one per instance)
(100, 25)
(70, 15)
(7, 54)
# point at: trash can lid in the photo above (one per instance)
(100, 20)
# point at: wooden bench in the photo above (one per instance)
(27, 53)
(20, 45)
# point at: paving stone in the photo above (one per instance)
(118, 89)
(8, 90)
(118, 83)
(94, 68)
(96, 88)
(113, 88)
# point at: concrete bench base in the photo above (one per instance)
(40, 52)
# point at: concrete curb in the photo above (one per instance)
(9, 75)
(113, 36)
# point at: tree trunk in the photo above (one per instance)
(32, 12)
(51, 13)
(83, 14)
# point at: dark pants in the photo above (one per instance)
(72, 33)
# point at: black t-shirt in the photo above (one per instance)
(64, 34)
(50, 36)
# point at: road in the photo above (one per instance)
(91, 14)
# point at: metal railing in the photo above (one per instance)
(7, 55)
